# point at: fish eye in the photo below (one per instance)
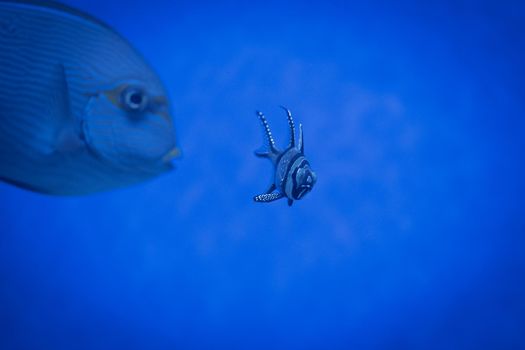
(134, 99)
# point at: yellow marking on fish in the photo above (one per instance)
(174, 153)
(114, 96)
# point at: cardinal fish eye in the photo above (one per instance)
(134, 99)
(293, 176)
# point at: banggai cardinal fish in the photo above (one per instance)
(293, 177)
(80, 109)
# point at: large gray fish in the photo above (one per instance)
(80, 109)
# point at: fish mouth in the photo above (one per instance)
(174, 153)
(303, 190)
(166, 162)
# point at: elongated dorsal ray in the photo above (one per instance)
(268, 132)
(291, 125)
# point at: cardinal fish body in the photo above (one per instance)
(290, 165)
(80, 110)
(293, 176)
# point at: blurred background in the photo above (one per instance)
(412, 238)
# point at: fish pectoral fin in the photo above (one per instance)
(64, 125)
(266, 153)
(268, 197)
(271, 189)
(68, 141)
(269, 154)
(290, 202)
(262, 154)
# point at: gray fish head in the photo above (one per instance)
(305, 180)
(130, 126)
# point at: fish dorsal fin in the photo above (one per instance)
(291, 125)
(272, 148)
(64, 127)
(59, 7)
(301, 139)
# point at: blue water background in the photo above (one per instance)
(413, 237)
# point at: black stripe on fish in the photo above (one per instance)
(295, 189)
(287, 172)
